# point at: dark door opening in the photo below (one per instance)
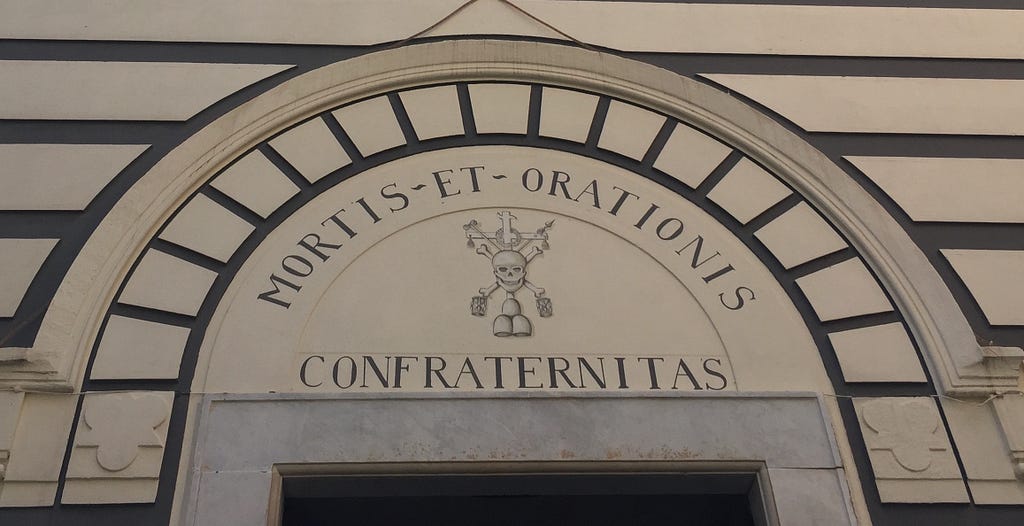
(524, 499)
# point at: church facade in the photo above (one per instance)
(512, 261)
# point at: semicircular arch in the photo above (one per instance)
(73, 323)
(936, 323)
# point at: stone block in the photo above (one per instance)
(844, 290)
(799, 235)
(312, 149)
(434, 112)
(566, 114)
(629, 129)
(950, 189)
(59, 176)
(120, 90)
(690, 155)
(982, 445)
(118, 448)
(371, 124)
(162, 281)
(37, 449)
(996, 280)
(863, 104)
(747, 191)
(21, 260)
(811, 496)
(879, 353)
(500, 108)
(256, 184)
(911, 456)
(208, 228)
(137, 349)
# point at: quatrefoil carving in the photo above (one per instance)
(907, 428)
(119, 424)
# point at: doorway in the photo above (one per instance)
(592, 499)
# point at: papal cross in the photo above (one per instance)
(506, 237)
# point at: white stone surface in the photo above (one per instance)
(27, 493)
(843, 290)
(312, 149)
(690, 155)
(118, 448)
(629, 26)
(500, 108)
(372, 125)
(887, 104)
(566, 114)
(782, 431)
(20, 260)
(59, 176)
(87, 90)
(747, 190)
(233, 498)
(1009, 411)
(950, 189)
(629, 129)
(996, 280)
(10, 410)
(434, 112)
(880, 353)
(256, 183)
(38, 449)
(799, 235)
(786, 432)
(208, 228)
(139, 349)
(909, 450)
(983, 451)
(109, 491)
(162, 281)
(807, 496)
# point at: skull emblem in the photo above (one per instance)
(509, 266)
(510, 269)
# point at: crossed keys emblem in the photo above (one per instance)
(509, 264)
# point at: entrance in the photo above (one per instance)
(590, 499)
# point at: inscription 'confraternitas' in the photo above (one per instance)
(315, 248)
(469, 372)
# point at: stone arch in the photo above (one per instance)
(73, 330)
(938, 327)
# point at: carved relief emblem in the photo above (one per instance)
(119, 424)
(509, 264)
(907, 428)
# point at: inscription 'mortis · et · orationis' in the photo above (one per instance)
(315, 247)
